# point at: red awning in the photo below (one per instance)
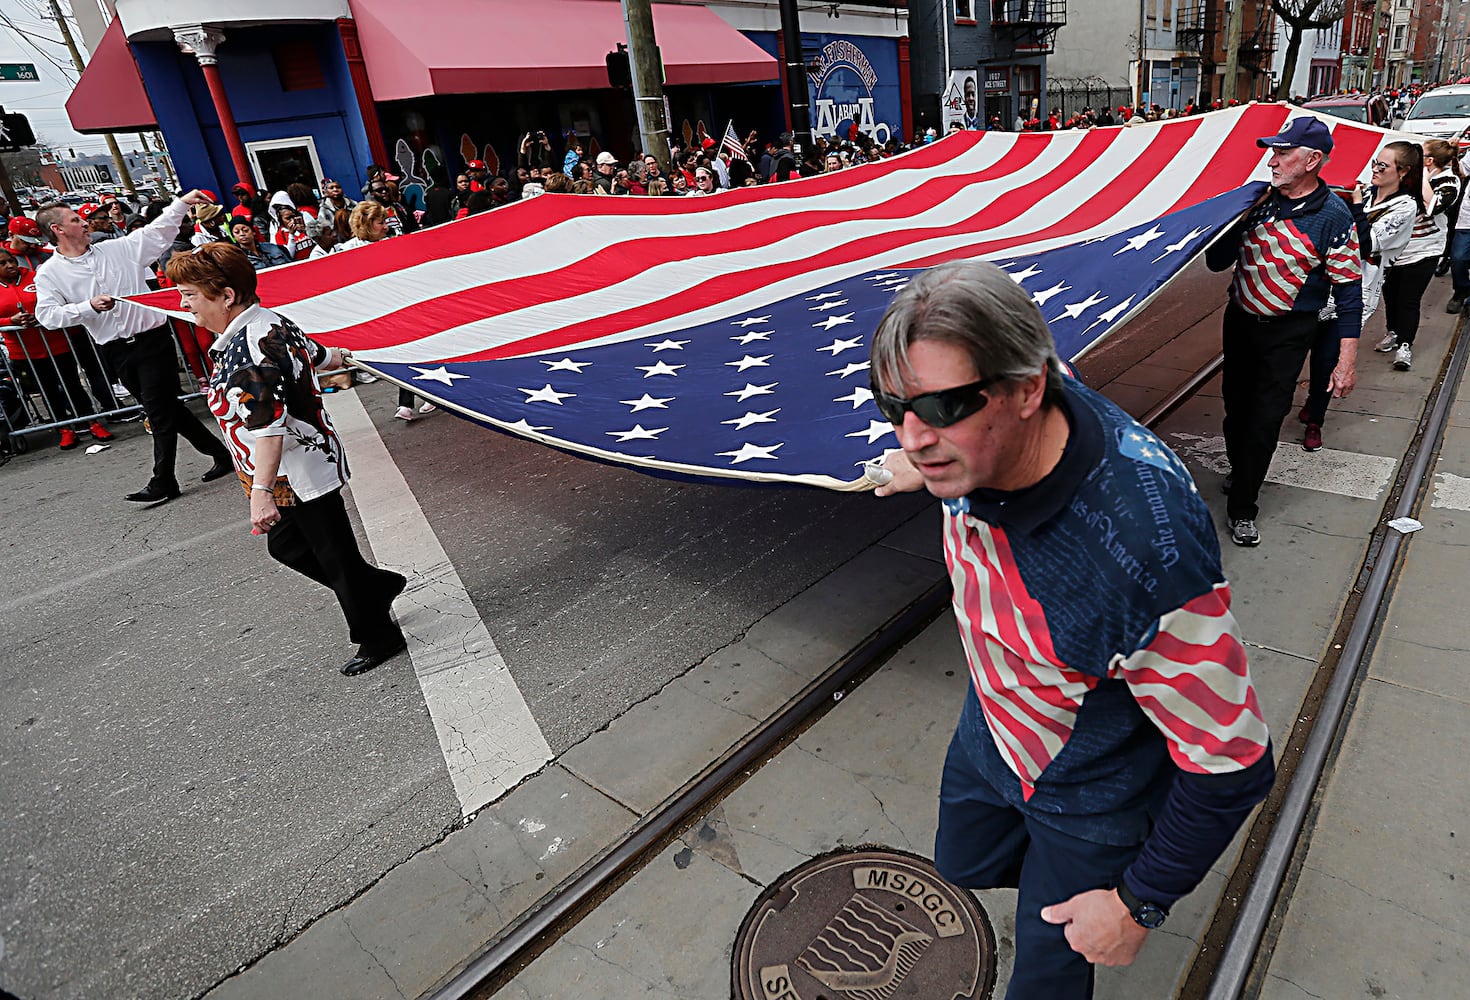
(468, 47)
(110, 96)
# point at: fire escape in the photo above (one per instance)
(1029, 24)
(1194, 30)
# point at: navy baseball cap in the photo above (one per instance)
(1304, 131)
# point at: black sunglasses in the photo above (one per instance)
(937, 409)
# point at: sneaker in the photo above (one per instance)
(1403, 358)
(68, 439)
(403, 413)
(1454, 305)
(363, 378)
(1312, 439)
(119, 390)
(1388, 343)
(1303, 416)
(99, 433)
(1442, 268)
(428, 408)
(1243, 532)
(147, 425)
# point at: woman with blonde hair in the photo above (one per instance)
(368, 224)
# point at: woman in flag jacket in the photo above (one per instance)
(263, 390)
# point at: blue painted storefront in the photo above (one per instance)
(263, 110)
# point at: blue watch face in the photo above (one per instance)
(1149, 915)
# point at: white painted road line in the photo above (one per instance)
(489, 738)
(1451, 492)
(1346, 473)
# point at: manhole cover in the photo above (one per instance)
(864, 925)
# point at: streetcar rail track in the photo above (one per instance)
(1244, 911)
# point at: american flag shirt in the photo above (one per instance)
(1292, 252)
(1102, 651)
(264, 384)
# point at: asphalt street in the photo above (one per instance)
(189, 781)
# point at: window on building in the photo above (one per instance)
(1400, 33)
(964, 12)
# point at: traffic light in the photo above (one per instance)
(619, 71)
(15, 131)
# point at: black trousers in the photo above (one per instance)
(148, 368)
(1263, 358)
(1403, 293)
(315, 539)
(94, 364)
(1326, 350)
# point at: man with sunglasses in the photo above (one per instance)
(1296, 246)
(1110, 743)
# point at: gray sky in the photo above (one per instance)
(44, 102)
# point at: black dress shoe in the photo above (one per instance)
(369, 657)
(151, 494)
(218, 470)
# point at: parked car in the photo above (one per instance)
(1366, 110)
(1443, 113)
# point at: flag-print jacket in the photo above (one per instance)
(1290, 252)
(1115, 702)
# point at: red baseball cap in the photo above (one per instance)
(475, 165)
(86, 210)
(25, 229)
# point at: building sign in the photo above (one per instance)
(848, 89)
(997, 79)
(961, 101)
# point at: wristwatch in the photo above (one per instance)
(1146, 915)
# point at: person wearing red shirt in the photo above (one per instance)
(42, 356)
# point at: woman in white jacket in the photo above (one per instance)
(1385, 216)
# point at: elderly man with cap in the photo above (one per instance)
(1296, 246)
(85, 284)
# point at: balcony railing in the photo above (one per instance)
(1036, 14)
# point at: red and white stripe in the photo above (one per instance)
(563, 270)
(1192, 681)
(1276, 258)
(1029, 698)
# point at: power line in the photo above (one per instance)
(26, 37)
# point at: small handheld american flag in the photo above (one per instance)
(731, 142)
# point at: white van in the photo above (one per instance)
(1443, 113)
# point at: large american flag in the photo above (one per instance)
(727, 337)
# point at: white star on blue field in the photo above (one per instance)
(785, 389)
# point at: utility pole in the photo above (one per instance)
(796, 82)
(648, 79)
(1232, 52)
(76, 58)
(1142, 47)
(1373, 46)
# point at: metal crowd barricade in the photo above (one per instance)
(76, 387)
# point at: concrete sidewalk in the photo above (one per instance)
(1382, 904)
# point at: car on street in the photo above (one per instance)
(1443, 113)
(1361, 108)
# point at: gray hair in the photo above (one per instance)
(980, 309)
